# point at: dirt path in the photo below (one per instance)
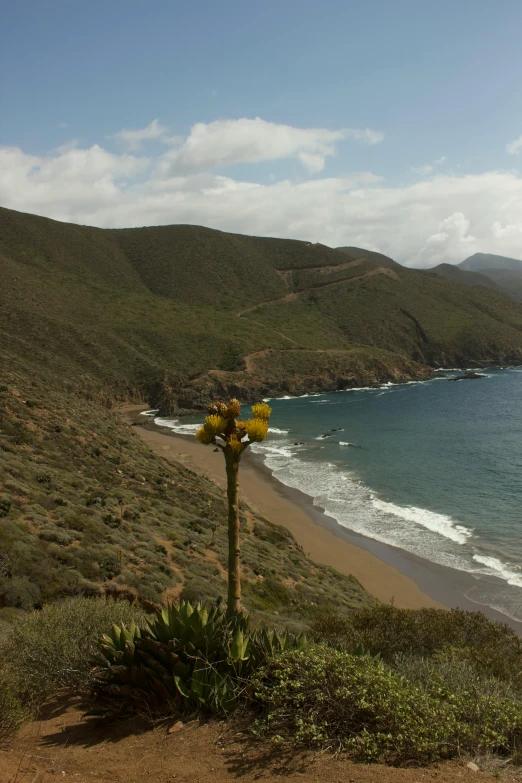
(380, 270)
(249, 358)
(73, 749)
(326, 268)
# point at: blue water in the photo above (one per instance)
(434, 468)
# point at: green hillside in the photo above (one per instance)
(86, 508)
(487, 270)
(173, 317)
(125, 310)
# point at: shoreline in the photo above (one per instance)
(386, 572)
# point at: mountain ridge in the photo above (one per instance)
(487, 270)
(117, 310)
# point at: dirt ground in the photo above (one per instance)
(75, 749)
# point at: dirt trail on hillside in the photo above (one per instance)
(380, 270)
(73, 749)
(249, 358)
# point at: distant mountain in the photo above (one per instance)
(370, 255)
(457, 275)
(498, 273)
(505, 272)
(488, 263)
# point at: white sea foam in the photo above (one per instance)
(350, 502)
(290, 397)
(437, 523)
(498, 568)
(149, 413)
(347, 443)
(190, 429)
(177, 426)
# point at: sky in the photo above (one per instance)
(394, 125)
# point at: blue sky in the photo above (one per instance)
(388, 124)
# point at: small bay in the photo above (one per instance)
(433, 468)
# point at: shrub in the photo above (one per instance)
(50, 649)
(330, 699)
(20, 593)
(422, 712)
(491, 648)
(489, 713)
(11, 711)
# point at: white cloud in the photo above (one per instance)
(133, 139)
(440, 218)
(514, 146)
(368, 136)
(68, 145)
(428, 168)
(225, 142)
(452, 240)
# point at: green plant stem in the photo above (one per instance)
(234, 579)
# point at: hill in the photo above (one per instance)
(175, 316)
(484, 262)
(371, 255)
(505, 272)
(86, 509)
(456, 274)
(130, 311)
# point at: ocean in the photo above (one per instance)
(433, 468)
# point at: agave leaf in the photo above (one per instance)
(182, 687)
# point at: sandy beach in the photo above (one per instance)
(268, 498)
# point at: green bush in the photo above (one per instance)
(327, 698)
(50, 649)
(492, 648)
(11, 710)
(19, 592)
(489, 712)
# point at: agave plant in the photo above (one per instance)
(197, 654)
(224, 430)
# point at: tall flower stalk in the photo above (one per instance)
(222, 428)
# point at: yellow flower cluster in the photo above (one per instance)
(222, 417)
(215, 424)
(233, 409)
(205, 436)
(261, 411)
(219, 408)
(256, 429)
(235, 444)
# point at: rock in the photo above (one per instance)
(472, 766)
(178, 726)
(327, 435)
(469, 376)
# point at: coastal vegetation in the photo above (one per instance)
(109, 553)
(88, 509)
(430, 685)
